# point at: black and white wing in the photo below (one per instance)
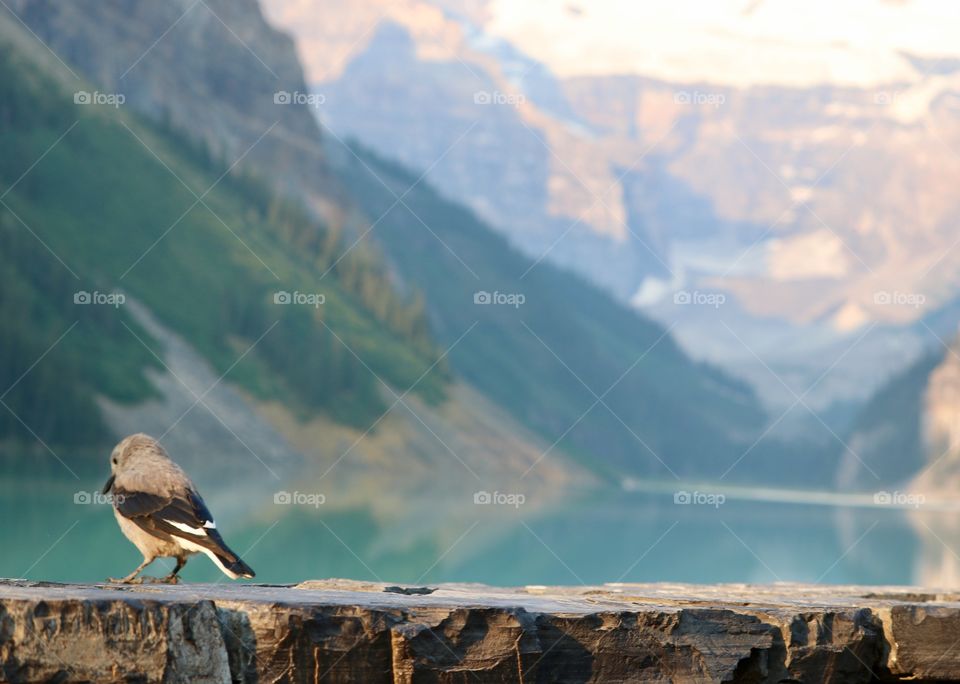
(182, 518)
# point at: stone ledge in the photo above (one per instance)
(343, 631)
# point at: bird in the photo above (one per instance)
(160, 511)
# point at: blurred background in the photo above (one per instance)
(475, 290)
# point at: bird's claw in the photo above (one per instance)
(125, 580)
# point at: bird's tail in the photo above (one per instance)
(230, 563)
(236, 567)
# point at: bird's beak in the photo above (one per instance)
(106, 487)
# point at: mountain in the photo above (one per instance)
(223, 95)
(907, 433)
(886, 445)
(642, 406)
(102, 207)
(817, 208)
(270, 356)
(568, 360)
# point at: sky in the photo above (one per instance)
(733, 42)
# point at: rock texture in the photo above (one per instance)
(340, 631)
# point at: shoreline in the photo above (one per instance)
(781, 495)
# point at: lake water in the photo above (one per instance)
(594, 537)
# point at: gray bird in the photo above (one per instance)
(160, 511)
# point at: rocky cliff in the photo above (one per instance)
(940, 414)
(340, 631)
(213, 68)
(803, 202)
(814, 210)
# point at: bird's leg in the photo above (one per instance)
(132, 577)
(172, 577)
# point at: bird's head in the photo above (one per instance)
(128, 450)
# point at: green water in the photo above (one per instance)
(595, 538)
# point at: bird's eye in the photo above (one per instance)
(114, 461)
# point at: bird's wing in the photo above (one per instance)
(181, 515)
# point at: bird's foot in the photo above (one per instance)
(125, 580)
(169, 579)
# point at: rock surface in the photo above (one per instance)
(342, 631)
